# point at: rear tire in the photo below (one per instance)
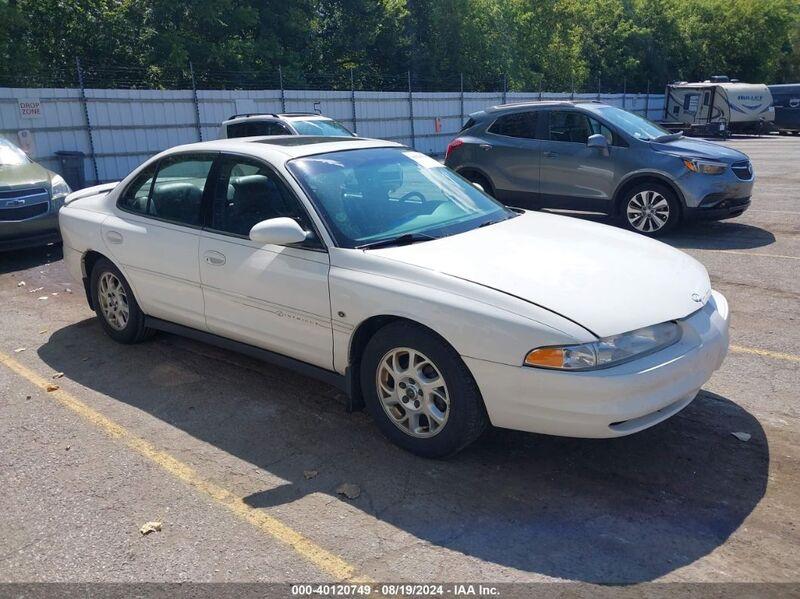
(115, 305)
(650, 209)
(419, 391)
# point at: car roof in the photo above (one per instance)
(280, 148)
(511, 107)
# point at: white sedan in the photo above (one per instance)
(377, 269)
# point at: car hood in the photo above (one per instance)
(699, 148)
(24, 175)
(607, 280)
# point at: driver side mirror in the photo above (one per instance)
(278, 231)
(598, 141)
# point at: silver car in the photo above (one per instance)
(287, 123)
(594, 157)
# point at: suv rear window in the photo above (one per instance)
(253, 128)
(518, 124)
(467, 125)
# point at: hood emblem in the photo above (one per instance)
(696, 297)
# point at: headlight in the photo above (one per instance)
(704, 166)
(607, 351)
(59, 188)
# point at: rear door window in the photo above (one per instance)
(518, 124)
(177, 194)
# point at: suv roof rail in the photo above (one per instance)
(300, 114)
(246, 114)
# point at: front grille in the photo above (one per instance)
(743, 170)
(24, 203)
(12, 194)
(23, 212)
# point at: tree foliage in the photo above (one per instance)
(557, 44)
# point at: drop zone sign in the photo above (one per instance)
(30, 108)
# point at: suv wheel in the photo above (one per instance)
(420, 392)
(650, 209)
(113, 300)
(474, 177)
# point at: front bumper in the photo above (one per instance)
(611, 402)
(718, 207)
(705, 194)
(41, 230)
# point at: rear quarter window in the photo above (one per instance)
(469, 124)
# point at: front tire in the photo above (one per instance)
(115, 305)
(650, 209)
(419, 391)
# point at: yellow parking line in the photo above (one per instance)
(321, 558)
(765, 352)
(759, 254)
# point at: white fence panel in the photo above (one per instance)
(128, 126)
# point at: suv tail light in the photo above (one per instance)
(452, 146)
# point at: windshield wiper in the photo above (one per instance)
(491, 222)
(406, 239)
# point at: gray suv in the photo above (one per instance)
(594, 157)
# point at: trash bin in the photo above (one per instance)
(72, 168)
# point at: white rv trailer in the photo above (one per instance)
(719, 106)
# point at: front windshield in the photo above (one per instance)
(632, 124)
(11, 155)
(324, 127)
(376, 194)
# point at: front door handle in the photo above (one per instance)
(486, 146)
(214, 258)
(549, 154)
(114, 237)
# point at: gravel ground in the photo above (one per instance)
(684, 501)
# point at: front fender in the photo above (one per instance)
(644, 174)
(478, 322)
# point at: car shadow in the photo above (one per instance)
(700, 235)
(718, 235)
(614, 511)
(16, 260)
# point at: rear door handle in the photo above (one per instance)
(214, 258)
(549, 154)
(486, 146)
(114, 237)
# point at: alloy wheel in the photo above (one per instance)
(113, 301)
(648, 211)
(413, 392)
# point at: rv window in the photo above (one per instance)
(691, 102)
(706, 98)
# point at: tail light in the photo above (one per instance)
(452, 146)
